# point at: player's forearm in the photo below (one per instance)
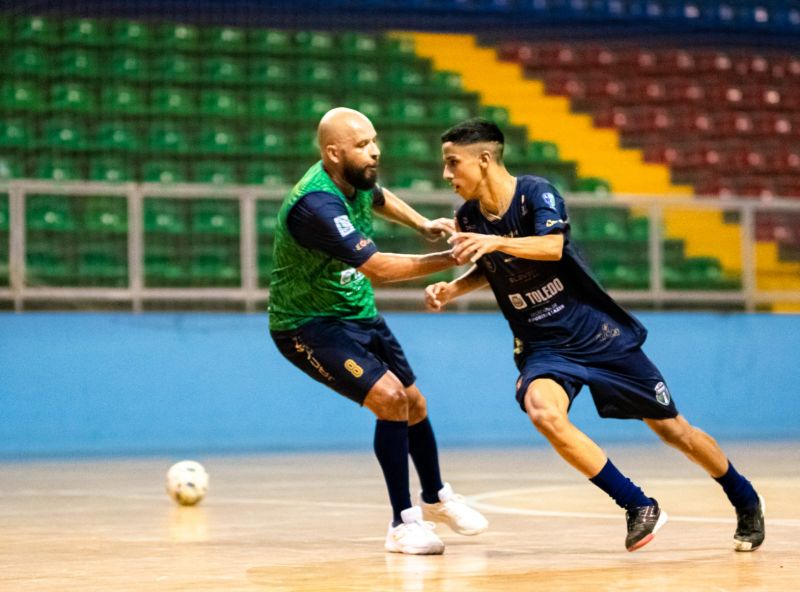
(391, 267)
(539, 248)
(396, 210)
(473, 279)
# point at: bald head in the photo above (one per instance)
(341, 123)
(348, 147)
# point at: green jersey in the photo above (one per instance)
(308, 283)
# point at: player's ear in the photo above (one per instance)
(485, 158)
(332, 152)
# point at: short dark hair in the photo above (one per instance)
(474, 131)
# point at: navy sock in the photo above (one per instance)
(738, 489)
(621, 489)
(391, 450)
(422, 447)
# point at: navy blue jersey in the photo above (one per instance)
(553, 305)
(319, 221)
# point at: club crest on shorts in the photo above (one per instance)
(353, 368)
(662, 393)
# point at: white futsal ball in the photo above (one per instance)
(187, 482)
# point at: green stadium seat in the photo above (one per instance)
(593, 185)
(71, 96)
(397, 48)
(4, 219)
(28, 61)
(359, 44)
(20, 95)
(176, 67)
(110, 170)
(224, 70)
(451, 111)
(407, 111)
(406, 76)
(270, 174)
(128, 65)
(699, 273)
(215, 266)
(220, 103)
(499, 115)
(314, 42)
(164, 266)
(267, 141)
(105, 215)
(163, 172)
(543, 152)
(272, 72)
(172, 101)
(46, 264)
(116, 135)
(49, 212)
(85, 31)
(130, 33)
(267, 217)
(11, 167)
(372, 108)
(15, 133)
(270, 105)
(79, 63)
(409, 146)
(36, 29)
(103, 264)
(222, 39)
(620, 276)
(606, 223)
(179, 36)
(447, 82)
(316, 72)
(269, 41)
(304, 144)
(167, 137)
(57, 168)
(265, 265)
(218, 139)
(414, 178)
(218, 173)
(360, 74)
(210, 216)
(168, 216)
(311, 107)
(123, 99)
(64, 133)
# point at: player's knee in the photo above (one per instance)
(417, 409)
(547, 419)
(392, 404)
(677, 434)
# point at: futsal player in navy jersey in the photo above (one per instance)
(568, 332)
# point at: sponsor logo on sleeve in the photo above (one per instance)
(549, 199)
(343, 225)
(362, 243)
(551, 223)
(662, 393)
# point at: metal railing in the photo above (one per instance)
(251, 296)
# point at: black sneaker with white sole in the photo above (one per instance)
(643, 523)
(750, 527)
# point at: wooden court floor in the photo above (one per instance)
(317, 521)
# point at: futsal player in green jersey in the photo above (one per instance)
(323, 318)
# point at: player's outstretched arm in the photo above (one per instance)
(439, 294)
(396, 210)
(393, 267)
(470, 246)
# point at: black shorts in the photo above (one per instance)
(628, 387)
(347, 356)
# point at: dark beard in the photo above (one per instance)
(362, 179)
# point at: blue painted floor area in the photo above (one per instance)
(119, 384)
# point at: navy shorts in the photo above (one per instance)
(628, 387)
(347, 356)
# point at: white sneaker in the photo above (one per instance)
(454, 511)
(413, 536)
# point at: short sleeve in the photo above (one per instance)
(550, 213)
(319, 220)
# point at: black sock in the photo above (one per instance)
(738, 489)
(391, 450)
(422, 447)
(621, 489)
